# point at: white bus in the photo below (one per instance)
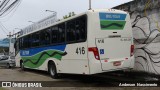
(93, 42)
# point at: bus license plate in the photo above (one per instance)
(117, 63)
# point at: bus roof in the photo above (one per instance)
(64, 20)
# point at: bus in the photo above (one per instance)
(92, 42)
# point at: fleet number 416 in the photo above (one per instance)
(80, 50)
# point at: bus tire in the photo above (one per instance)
(52, 70)
(22, 66)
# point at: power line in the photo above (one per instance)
(4, 4)
(14, 8)
(10, 16)
(8, 8)
(3, 28)
(3, 11)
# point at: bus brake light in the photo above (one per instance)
(95, 51)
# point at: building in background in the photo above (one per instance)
(4, 42)
(145, 19)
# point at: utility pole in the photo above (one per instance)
(90, 5)
(11, 51)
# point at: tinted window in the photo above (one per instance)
(45, 37)
(28, 41)
(61, 31)
(71, 33)
(35, 39)
(76, 30)
(81, 29)
(25, 43)
(58, 34)
(21, 42)
(55, 34)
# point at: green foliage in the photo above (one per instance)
(3, 88)
(69, 15)
(6, 49)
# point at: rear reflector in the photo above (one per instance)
(105, 60)
(126, 58)
(132, 50)
(95, 52)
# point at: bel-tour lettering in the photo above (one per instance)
(25, 53)
(113, 16)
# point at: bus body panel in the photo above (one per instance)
(113, 45)
(76, 58)
(113, 50)
(67, 64)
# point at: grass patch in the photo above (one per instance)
(3, 88)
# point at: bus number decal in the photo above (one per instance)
(101, 41)
(80, 50)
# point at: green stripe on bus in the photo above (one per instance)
(112, 25)
(38, 59)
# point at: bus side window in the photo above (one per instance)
(81, 29)
(28, 41)
(58, 34)
(45, 37)
(71, 34)
(25, 42)
(61, 33)
(35, 39)
(54, 36)
(22, 42)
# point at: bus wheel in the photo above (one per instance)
(52, 70)
(22, 66)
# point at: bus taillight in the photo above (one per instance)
(95, 51)
(132, 50)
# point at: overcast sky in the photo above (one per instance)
(34, 10)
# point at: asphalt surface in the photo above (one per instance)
(69, 82)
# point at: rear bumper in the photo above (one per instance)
(108, 66)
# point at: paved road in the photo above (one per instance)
(76, 82)
(17, 74)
